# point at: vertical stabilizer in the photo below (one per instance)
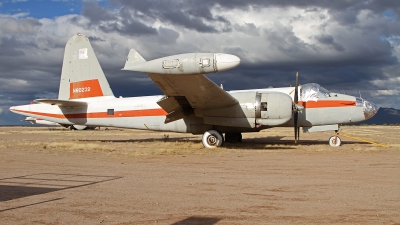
(81, 75)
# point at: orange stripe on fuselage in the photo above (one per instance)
(128, 113)
(85, 89)
(161, 112)
(327, 103)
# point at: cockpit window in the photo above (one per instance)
(313, 92)
(324, 90)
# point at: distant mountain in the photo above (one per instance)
(384, 116)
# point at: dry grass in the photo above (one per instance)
(128, 142)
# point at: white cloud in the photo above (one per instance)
(385, 92)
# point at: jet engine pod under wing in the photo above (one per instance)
(275, 108)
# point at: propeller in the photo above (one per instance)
(296, 109)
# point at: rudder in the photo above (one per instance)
(81, 75)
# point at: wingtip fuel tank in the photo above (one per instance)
(190, 63)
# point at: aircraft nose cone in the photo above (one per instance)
(370, 109)
(226, 61)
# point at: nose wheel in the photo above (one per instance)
(335, 140)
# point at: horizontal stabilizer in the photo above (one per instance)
(66, 103)
(134, 58)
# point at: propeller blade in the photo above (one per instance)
(296, 112)
(298, 133)
(296, 92)
(296, 130)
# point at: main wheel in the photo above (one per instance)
(333, 142)
(212, 139)
(233, 137)
(78, 127)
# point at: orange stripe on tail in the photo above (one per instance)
(85, 89)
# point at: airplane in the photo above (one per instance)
(33, 120)
(191, 103)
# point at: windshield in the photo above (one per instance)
(313, 92)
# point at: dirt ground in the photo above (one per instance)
(119, 176)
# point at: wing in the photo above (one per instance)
(184, 93)
(181, 79)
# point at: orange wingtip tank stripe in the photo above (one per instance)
(85, 89)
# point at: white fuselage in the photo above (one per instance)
(145, 113)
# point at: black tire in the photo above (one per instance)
(233, 137)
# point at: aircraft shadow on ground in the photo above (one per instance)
(276, 143)
(197, 220)
(161, 139)
(42, 183)
(266, 143)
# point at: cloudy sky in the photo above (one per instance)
(348, 46)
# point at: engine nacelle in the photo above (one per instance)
(254, 108)
(275, 108)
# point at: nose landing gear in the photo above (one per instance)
(335, 141)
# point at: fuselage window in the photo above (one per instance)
(110, 112)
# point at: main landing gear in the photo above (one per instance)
(233, 137)
(213, 138)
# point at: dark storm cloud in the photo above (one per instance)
(9, 48)
(167, 36)
(191, 15)
(329, 40)
(374, 5)
(109, 22)
(96, 13)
